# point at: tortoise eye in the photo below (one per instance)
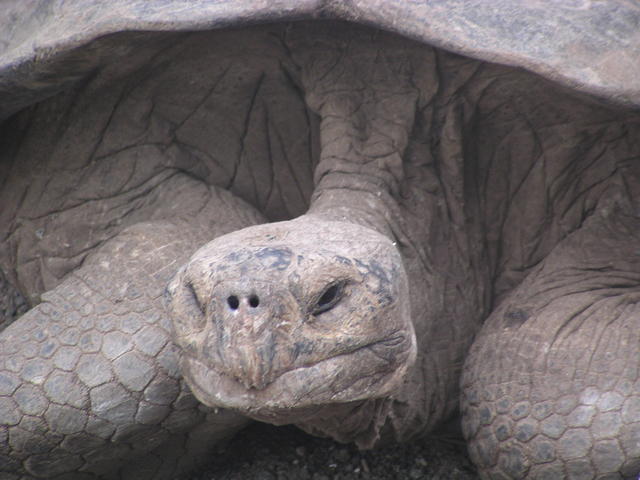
(329, 298)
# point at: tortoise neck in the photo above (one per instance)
(360, 172)
(367, 103)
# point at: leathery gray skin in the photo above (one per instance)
(433, 163)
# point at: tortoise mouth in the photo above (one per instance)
(302, 391)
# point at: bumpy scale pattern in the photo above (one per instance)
(89, 377)
(552, 387)
(597, 434)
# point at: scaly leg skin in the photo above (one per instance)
(552, 385)
(89, 379)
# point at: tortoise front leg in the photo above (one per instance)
(552, 385)
(89, 378)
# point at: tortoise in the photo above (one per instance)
(355, 217)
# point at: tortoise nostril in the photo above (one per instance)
(254, 301)
(233, 302)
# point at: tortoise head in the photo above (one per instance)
(277, 319)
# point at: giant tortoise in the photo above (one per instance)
(453, 188)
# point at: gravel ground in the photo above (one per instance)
(264, 452)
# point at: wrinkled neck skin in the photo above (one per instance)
(366, 95)
(366, 101)
(352, 185)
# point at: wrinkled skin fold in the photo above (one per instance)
(434, 192)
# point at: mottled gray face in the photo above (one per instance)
(293, 315)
